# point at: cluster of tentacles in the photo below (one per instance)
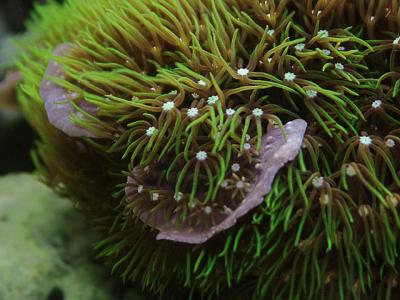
(265, 135)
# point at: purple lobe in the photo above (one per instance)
(57, 99)
(274, 154)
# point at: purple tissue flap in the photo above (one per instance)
(275, 152)
(57, 99)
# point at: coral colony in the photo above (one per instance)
(237, 149)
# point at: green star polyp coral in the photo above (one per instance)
(237, 149)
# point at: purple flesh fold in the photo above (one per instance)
(57, 99)
(274, 154)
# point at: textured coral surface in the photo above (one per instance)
(157, 112)
(45, 252)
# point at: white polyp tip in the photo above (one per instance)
(365, 140)
(311, 93)
(140, 189)
(243, 71)
(392, 199)
(376, 104)
(178, 197)
(248, 137)
(350, 171)
(396, 41)
(173, 92)
(201, 155)
(267, 147)
(168, 106)
(224, 184)
(363, 211)
(155, 196)
(271, 32)
(390, 143)
(207, 210)
(300, 47)
(230, 112)
(153, 89)
(239, 185)
(341, 48)
(289, 76)
(257, 112)
(150, 131)
(212, 100)
(339, 66)
(270, 139)
(201, 82)
(235, 167)
(326, 51)
(325, 199)
(195, 95)
(323, 33)
(246, 146)
(318, 182)
(193, 112)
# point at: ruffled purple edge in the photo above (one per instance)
(275, 153)
(57, 99)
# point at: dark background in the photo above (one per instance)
(16, 137)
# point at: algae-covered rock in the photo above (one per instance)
(45, 253)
